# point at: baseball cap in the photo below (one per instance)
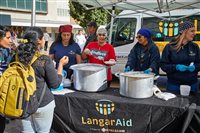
(90, 24)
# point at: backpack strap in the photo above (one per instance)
(35, 57)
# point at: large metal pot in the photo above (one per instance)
(136, 84)
(89, 77)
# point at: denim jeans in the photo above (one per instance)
(176, 87)
(40, 121)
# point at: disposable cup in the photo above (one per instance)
(185, 90)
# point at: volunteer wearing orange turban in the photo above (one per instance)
(64, 45)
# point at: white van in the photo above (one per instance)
(164, 28)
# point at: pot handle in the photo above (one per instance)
(156, 77)
(156, 90)
(117, 74)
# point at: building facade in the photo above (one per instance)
(50, 14)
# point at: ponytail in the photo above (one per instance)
(27, 48)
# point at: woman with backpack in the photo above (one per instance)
(5, 39)
(33, 42)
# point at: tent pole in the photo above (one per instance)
(111, 23)
(33, 14)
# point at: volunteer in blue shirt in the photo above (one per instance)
(181, 59)
(64, 45)
(145, 55)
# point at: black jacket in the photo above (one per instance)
(187, 54)
(141, 58)
(91, 38)
(45, 72)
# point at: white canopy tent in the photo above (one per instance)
(147, 5)
(140, 6)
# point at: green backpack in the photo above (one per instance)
(18, 90)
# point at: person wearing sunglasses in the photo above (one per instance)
(5, 56)
(181, 59)
(144, 56)
(101, 52)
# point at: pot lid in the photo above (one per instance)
(138, 75)
(87, 67)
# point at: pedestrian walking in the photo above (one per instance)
(5, 56)
(46, 38)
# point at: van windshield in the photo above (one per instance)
(123, 31)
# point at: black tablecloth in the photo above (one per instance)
(107, 111)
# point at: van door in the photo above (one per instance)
(123, 39)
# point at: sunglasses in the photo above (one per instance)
(101, 35)
(138, 37)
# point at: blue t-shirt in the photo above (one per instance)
(71, 51)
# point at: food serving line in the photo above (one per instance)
(116, 110)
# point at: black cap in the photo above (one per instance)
(90, 24)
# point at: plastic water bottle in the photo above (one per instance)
(64, 74)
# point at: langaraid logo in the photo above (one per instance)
(105, 107)
(105, 121)
(168, 29)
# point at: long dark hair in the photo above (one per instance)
(3, 31)
(27, 49)
(59, 40)
(36, 29)
(29, 45)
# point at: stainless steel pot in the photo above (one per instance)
(136, 84)
(89, 77)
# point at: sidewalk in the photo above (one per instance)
(12, 127)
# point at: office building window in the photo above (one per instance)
(12, 3)
(3, 3)
(61, 12)
(21, 4)
(41, 5)
(28, 4)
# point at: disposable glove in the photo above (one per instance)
(147, 71)
(191, 68)
(127, 69)
(181, 68)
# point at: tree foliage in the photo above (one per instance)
(83, 16)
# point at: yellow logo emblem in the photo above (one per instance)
(105, 107)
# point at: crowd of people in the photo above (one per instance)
(180, 60)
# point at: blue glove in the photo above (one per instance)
(147, 71)
(127, 69)
(191, 68)
(181, 68)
